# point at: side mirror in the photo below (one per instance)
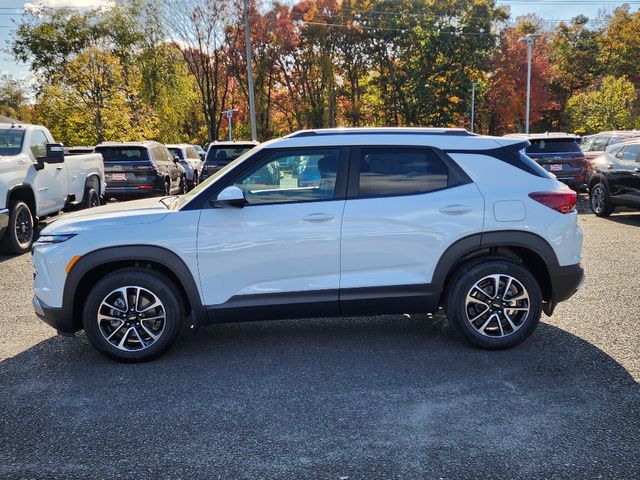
(176, 159)
(55, 153)
(231, 196)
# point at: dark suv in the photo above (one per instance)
(220, 154)
(140, 169)
(559, 154)
(615, 178)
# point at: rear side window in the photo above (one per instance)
(11, 141)
(553, 145)
(123, 154)
(600, 144)
(631, 153)
(400, 171)
(176, 151)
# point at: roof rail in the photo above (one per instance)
(382, 131)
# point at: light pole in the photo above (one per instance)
(473, 103)
(529, 40)
(247, 44)
(229, 114)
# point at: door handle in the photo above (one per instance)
(455, 210)
(59, 168)
(637, 169)
(317, 217)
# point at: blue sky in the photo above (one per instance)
(548, 9)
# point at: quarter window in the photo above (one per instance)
(38, 144)
(400, 171)
(600, 144)
(292, 176)
(631, 153)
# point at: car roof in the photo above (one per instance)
(443, 138)
(542, 136)
(631, 141)
(622, 133)
(146, 143)
(234, 143)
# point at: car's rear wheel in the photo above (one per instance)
(600, 201)
(133, 315)
(91, 198)
(494, 304)
(20, 232)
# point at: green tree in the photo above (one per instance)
(609, 107)
(14, 100)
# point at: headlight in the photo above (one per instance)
(50, 239)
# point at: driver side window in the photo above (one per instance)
(38, 144)
(292, 176)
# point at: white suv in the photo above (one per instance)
(396, 221)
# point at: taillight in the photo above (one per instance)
(563, 202)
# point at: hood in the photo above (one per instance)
(137, 212)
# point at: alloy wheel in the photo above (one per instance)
(24, 227)
(497, 305)
(131, 318)
(597, 199)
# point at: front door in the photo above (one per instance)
(283, 248)
(50, 183)
(627, 178)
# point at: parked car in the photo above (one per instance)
(140, 169)
(559, 154)
(78, 150)
(615, 178)
(422, 222)
(201, 151)
(190, 161)
(37, 180)
(220, 154)
(594, 145)
(307, 172)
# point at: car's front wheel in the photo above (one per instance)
(494, 304)
(20, 232)
(600, 201)
(133, 314)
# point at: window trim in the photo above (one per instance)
(339, 192)
(456, 177)
(29, 145)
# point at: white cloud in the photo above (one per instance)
(38, 4)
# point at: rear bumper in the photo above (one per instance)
(59, 318)
(565, 281)
(4, 220)
(133, 192)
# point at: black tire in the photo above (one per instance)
(498, 331)
(152, 284)
(196, 180)
(183, 185)
(91, 198)
(20, 233)
(167, 188)
(600, 201)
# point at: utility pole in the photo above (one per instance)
(473, 103)
(229, 114)
(529, 40)
(247, 43)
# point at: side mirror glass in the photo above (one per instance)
(231, 196)
(55, 153)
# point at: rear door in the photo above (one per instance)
(405, 207)
(626, 178)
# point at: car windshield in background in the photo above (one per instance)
(11, 141)
(176, 151)
(225, 154)
(553, 145)
(123, 154)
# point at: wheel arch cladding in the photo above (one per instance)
(95, 265)
(25, 194)
(531, 250)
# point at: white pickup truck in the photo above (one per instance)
(37, 180)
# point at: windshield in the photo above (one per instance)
(123, 154)
(225, 154)
(553, 145)
(184, 199)
(11, 141)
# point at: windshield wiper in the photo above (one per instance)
(173, 197)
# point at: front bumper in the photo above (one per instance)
(59, 318)
(4, 220)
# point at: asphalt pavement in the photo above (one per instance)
(363, 398)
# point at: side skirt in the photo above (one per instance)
(326, 303)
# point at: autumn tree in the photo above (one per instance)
(609, 106)
(14, 101)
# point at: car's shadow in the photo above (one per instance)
(376, 398)
(626, 218)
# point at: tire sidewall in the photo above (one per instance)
(606, 202)
(153, 281)
(11, 235)
(88, 194)
(456, 310)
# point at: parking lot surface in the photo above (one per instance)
(363, 398)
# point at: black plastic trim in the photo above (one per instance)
(312, 133)
(134, 253)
